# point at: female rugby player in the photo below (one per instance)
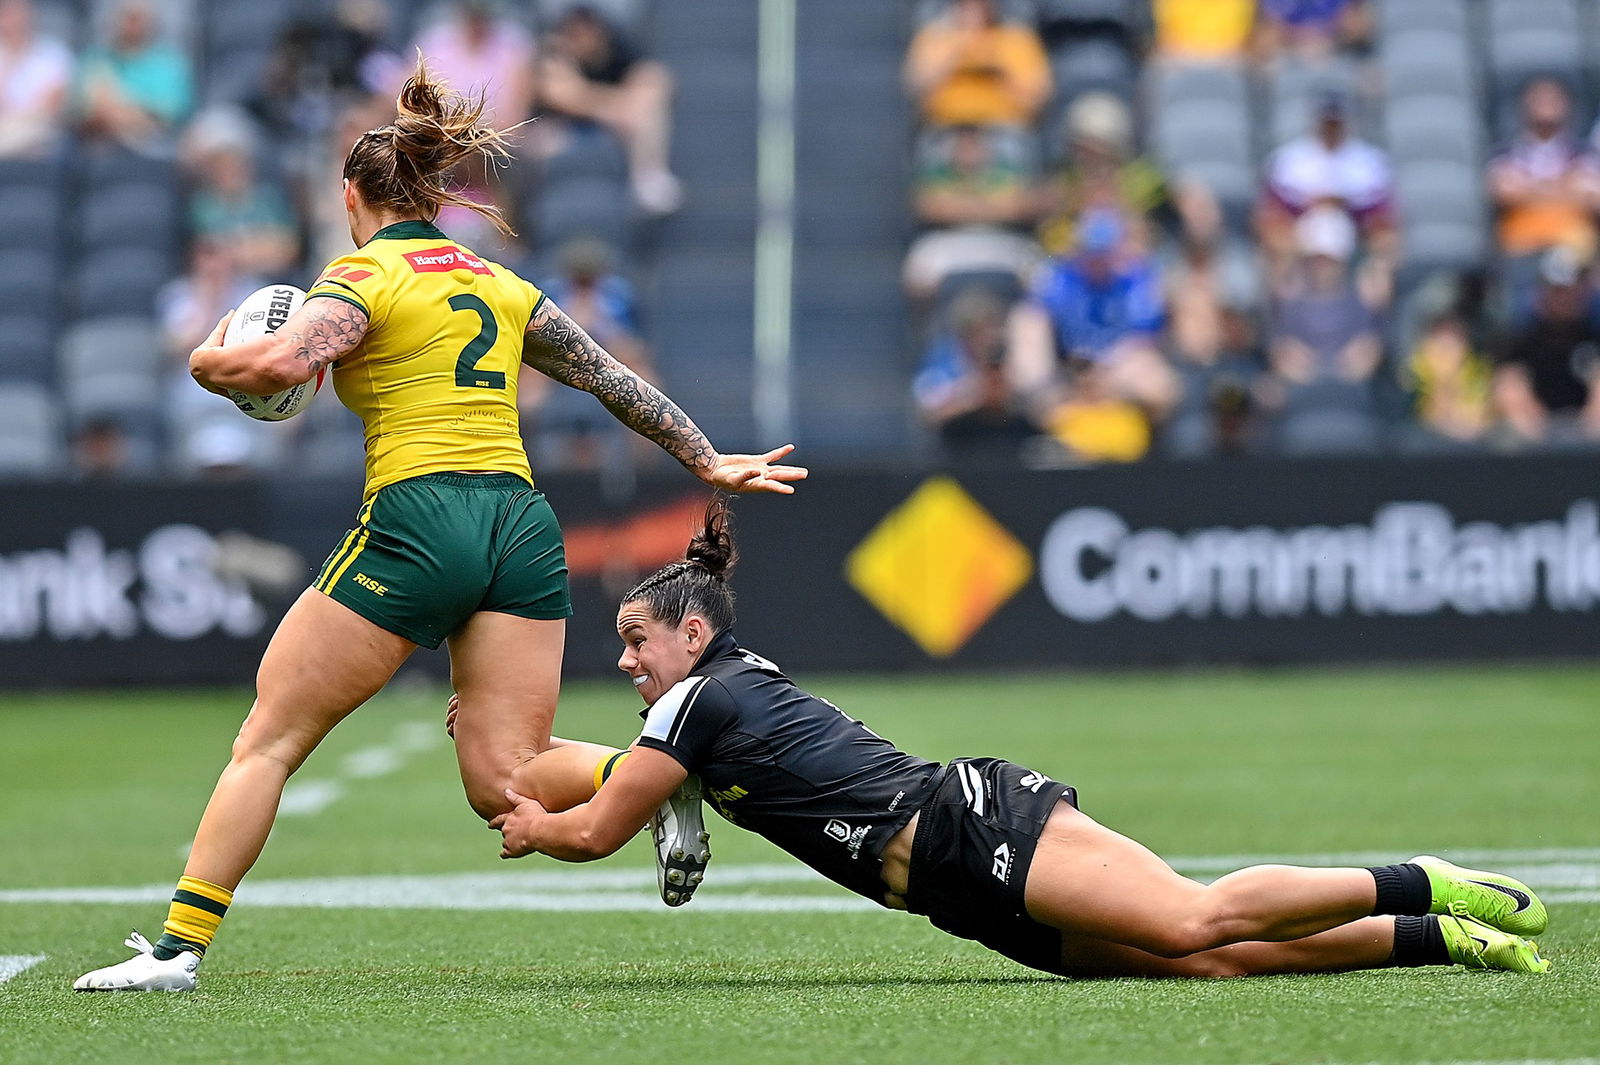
(452, 542)
(987, 850)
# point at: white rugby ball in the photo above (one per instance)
(264, 311)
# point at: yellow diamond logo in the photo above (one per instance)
(938, 566)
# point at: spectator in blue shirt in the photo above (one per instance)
(1098, 313)
(137, 88)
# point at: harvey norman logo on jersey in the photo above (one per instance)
(445, 259)
(940, 566)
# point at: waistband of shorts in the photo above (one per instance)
(495, 480)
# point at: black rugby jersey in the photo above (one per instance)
(789, 766)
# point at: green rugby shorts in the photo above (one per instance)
(429, 552)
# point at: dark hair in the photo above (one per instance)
(403, 167)
(699, 583)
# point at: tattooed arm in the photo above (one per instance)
(320, 333)
(558, 347)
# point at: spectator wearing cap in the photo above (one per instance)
(35, 74)
(975, 201)
(592, 73)
(1545, 184)
(968, 67)
(1091, 322)
(961, 387)
(1100, 170)
(1329, 166)
(136, 88)
(1322, 329)
(1545, 383)
(232, 203)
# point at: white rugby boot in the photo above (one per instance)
(679, 829)
(143, 972)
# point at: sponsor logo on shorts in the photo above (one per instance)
(852, 838)
(1033, 782)
(445, 259)
(1002, 863)
(371, 585)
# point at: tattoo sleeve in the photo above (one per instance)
(328, 330)
(558, 347)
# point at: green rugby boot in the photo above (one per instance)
(1492, 898)
(1475, 945)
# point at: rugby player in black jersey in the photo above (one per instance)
(986, 849)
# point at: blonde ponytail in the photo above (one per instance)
(404, 167)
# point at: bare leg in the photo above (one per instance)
(1364, 944)
(563, 776)
(323, 662)
(507, 672)
(1088, 880)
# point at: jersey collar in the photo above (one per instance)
(411, 229)
(721, 645)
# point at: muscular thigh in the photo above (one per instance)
(1089, 880)
(324, 660)
(507, 672)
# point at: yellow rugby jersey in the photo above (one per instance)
(435, 379)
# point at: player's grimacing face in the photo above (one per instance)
(655, 655)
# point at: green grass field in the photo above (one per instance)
(381, 927)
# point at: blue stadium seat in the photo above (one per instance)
(585, 208)
(1428, 73)
(30, 216)
(111, 366)
(1397, 16)
(140, 215)
(121, 281)
(31, 441)
(28, 279)
(26, 347)
(590, 152)
(1442, 127)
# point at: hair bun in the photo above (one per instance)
(712, 547)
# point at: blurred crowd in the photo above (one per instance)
(195, 150)
(1170, 229)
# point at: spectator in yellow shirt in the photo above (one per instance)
(1204, 29)
(969, 68)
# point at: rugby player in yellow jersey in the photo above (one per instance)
(452, 542)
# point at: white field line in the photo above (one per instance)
(1560, 876)
(307, 798)
(17, 964)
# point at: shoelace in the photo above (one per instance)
(139, 943)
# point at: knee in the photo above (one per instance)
(270, 736)
(486, 781)
(1199, 929)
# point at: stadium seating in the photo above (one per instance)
(31, 442)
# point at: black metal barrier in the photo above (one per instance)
(1249, 562)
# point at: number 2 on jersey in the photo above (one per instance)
(467, 373)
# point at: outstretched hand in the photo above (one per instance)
(755, 473)
(519, 827)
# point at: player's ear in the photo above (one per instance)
(349, 196)
(695, 632)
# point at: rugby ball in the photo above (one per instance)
(264, 311)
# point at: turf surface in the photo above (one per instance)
(99, 792)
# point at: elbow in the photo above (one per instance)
(592, 845)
